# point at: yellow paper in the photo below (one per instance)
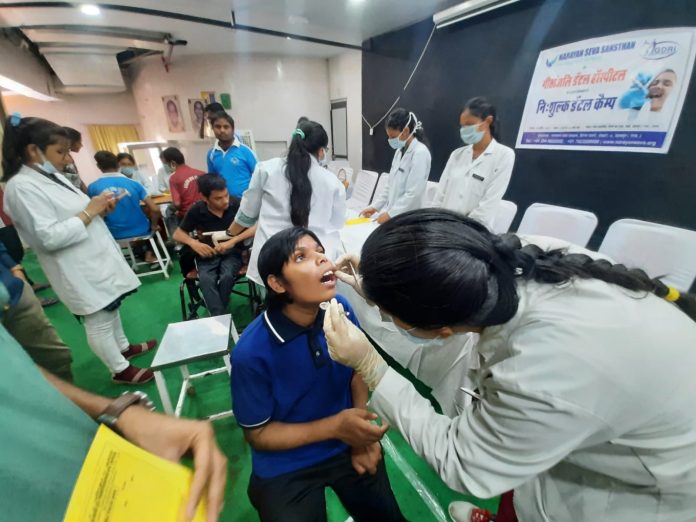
(358, 221)
(120, 482)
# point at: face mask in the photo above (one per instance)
(437, 342)
(325, 160)
(469, 134)
(46, 165)
(129, 172)
(168, 168)
(397, 143)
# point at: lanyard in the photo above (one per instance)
(52, 177)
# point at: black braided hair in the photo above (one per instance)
(434, 268)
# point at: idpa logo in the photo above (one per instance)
(658, 50)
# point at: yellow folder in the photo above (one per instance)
(120, 482)
(358, 221)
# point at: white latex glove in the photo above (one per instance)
(347, 266)
(220, 237)
(348, 345)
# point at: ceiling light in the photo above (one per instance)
(90, 9)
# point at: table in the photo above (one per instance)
(162, 199)
(444, 369)
(189, 341)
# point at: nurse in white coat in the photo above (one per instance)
(408, 176)
(476, 175)
(586, 371)
(64, 228)
(294, 191)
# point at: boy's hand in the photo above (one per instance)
(367, 458)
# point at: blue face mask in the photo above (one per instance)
(129, 172)
(396, 143)
(469, 134)
(46, 166)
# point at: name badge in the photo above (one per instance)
(400, 169)
(476, 176)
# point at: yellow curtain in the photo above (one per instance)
(107, 137)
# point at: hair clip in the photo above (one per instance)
(15, 119)
(299, 132)
(518, 271)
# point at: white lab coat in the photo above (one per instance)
(83, 264)
(475, 187)
(408, 178)
(266, 203)
(587, 410)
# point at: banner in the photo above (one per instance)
(616, 93)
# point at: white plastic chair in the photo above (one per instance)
(661, 250)
(163, 257)
(430, 191)
(570, 224)
(363, 186)
(507, 210)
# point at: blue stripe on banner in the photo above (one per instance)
(648, 140)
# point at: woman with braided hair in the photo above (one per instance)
(585, 396)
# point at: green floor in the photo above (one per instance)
(145, 316)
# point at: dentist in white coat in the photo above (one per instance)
(586, 370)
(476, 175)
(408, 176)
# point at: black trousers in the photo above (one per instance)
(217, 275)
(299, 496)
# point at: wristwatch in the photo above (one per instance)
(116, 407)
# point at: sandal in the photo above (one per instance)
(138, 349)
(133, 375)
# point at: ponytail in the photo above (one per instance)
(482, 108)
(307, 139)
(401, 118)
(22, 132)
(433, 268)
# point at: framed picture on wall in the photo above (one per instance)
(172, 113)
(196, 106)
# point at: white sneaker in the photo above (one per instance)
(461, 511)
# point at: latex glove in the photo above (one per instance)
(346, 271)
(348, 345)
(636, 96)
(220, 236)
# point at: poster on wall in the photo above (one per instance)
(172, 112)
(196, 109)
(616, 93)
(208, 96)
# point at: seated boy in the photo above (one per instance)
(128, 219)
(218, 266)
(305, 415)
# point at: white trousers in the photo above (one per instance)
(107, 339)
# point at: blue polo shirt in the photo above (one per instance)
(236, 165)
(282, 372)
(127, 219)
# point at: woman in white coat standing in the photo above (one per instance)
(476, 175)
(586, 381)
(64, 228)
(410, 168)
(293, 191)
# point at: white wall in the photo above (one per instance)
(268, 93)
(78, 111)
(345, 83)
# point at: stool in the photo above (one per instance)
(163, 258)
(192, 341)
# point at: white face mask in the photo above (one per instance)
(324, 161)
